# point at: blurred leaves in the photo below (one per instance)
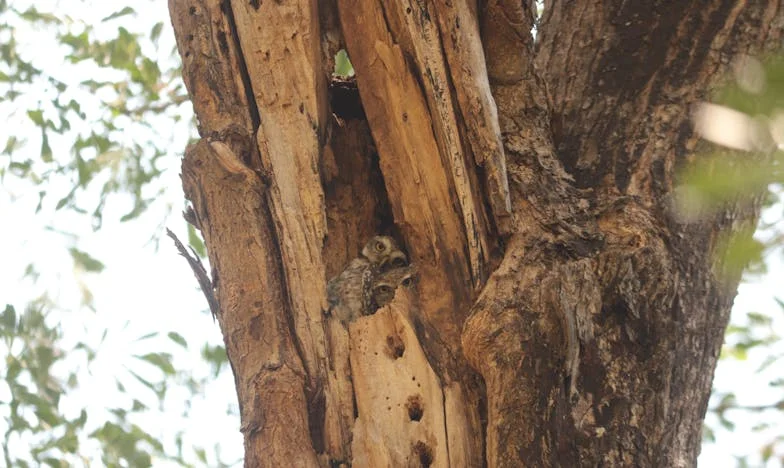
(97, 111)
(38, 429)
(84, 261)
(107, 87)
(747, 120)
(748, 116)
(758, 87)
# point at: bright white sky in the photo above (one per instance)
(144, 290)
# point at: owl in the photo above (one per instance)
(386, 284)
(350, 293)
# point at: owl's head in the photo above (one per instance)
(387, 283)
(383, 251)
(396, 259)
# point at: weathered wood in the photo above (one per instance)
(250, 285)
(400, 403)
(415, 177)
(625, 256)
(339, 399)
(212, 69)
(462, 44)
(413, 27)
(418, 173)
(270, 378)
(356, 210)
(281, 44)
(356, 204)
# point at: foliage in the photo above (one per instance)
(94, 114)
(748, 121)
(94, 103)
(40, 377)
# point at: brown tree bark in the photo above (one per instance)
(564, 314)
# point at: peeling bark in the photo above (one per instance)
(563, 315)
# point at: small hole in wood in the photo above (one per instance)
(415, 407)
(192, 10)
(424, 454)
(395, 346)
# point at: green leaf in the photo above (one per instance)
(147, 336)
(81, 420)
(201, 454)
(138, 209)
(11, 144)
(343, 67)
(160, 360)
(46, 150)
(767, 452)
(195, 241)
(37, 116)
(8, 319)
(48, 414)
(65, 200)
(33, 15)
(216, 356)
(84, 260)
(144, 382)
(125, 11)
(13, 369)
(155, 33)
(177, 338)
(759, 319)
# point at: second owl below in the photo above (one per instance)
(370, 280)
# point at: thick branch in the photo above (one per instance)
(268, 371)
(212, 71)
(437, 204)
(283, 62)
(462, 45)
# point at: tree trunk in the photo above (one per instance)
(564, 315)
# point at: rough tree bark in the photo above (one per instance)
(564, 314)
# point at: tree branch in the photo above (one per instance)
(198, 270)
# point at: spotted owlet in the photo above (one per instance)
(386, 284)
(349, 293)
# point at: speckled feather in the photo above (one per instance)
(349, 293)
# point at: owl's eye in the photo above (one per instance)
(384, 289)
(380, 246)
(407, 282)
